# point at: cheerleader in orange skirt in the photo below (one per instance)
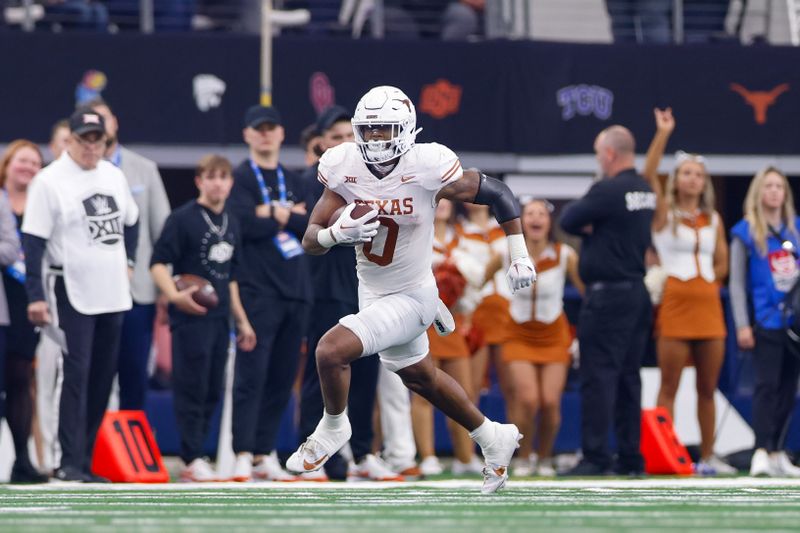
(450, 353)
(689, 237)
(485, 240)
(537, 345)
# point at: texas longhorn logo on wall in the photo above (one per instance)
(760, 101)
(105, 221)
(585, 100)
(440, 99)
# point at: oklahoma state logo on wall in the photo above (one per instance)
(440, 99)
(760, 101)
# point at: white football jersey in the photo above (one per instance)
(82, 214)
(400, 255)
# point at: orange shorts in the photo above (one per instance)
(537, 342)
(492, 317)
(690, 310)
(452, 346)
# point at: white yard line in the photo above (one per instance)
(596, 484)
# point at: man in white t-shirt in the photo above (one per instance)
(402, 183)
(81, 217)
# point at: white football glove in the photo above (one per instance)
(347, 230)
(521, 273)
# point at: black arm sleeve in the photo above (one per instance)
(498, 196)
(131, 234)
(33, 247)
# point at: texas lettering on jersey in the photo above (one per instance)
(390, 207)
(400, 255)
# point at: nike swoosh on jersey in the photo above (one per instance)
(315, 464)
(406, 179)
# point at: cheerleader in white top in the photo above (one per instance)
(538, 339)
(690, 240)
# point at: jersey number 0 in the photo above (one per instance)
(389, 245)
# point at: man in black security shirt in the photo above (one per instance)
(201, 238)
(270, 203)
(614, 219)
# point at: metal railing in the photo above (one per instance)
(640, 21)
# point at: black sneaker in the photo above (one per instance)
(24, 472)
(586, 469)
(69, 474)
(88, 477)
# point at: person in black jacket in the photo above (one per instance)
(201, 238)
(270, 203)
(614, 219)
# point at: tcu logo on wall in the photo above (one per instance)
(585, 100)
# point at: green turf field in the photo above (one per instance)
(649, 505)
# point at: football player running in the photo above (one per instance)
(398, 300)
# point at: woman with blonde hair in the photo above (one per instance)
(537, 346)
(689, 237)
(19, 164)
(763, 270)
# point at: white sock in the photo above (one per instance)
(334, 422)
(484, 434)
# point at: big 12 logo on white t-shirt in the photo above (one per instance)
(104, 219)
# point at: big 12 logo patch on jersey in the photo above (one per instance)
(104, 218)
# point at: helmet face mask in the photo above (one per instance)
(384, 124)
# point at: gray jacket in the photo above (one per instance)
(9, 250)
(149, 194)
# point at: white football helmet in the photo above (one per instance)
(380, 107)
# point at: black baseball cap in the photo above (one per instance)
(259, 114)
(85, 121)
(331, 116)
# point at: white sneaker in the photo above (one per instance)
(243, 470)
(760, 464)
(317, 449)
(317, 475)
(198, 471)
(714, 466)
(522, 467)
(371, 468)
(269, 469)
(474, 466)
(782, 466)
(545, 468)
(498, 456)
(430, 466)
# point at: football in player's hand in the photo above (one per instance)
(359, 211)
(205, 294)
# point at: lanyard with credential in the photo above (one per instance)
(17, 269)
(288, 245)
(263, 186)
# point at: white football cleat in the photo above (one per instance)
(371, 468)
(198, 471)
(269, 469)
(545, 468)
(498, 456)
(318, 448)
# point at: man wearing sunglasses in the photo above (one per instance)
(82, 219)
